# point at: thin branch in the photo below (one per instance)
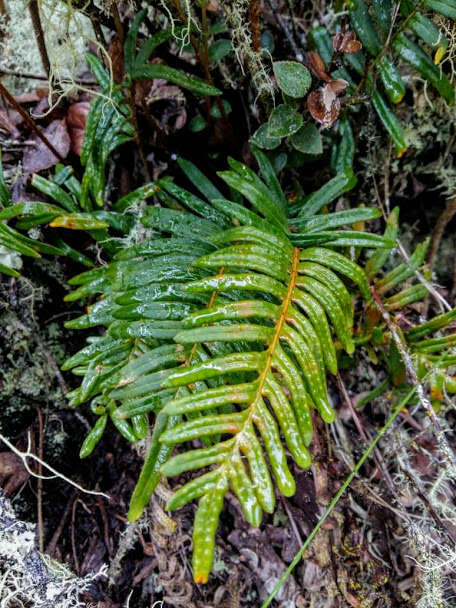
(39, 497)
(130, 94)
(254, 14)
(337, 497)
(28, 454)
(30, 122)
(28, 75)
(39, 35)
(442, 222)
(284, 26)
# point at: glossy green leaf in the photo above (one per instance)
(417, 58)
(284, 121)
(339, 184)
(219, 49)
(307, 140)
(192, 83)
(292, 77)
(262, 139)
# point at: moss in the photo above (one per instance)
(30, 349)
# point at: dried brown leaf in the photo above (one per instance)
(337, 86)
(316, 65)
(7, 125)
(39, 157)
(324, 106)
(76, 121)
(12, 471)
(346, 42)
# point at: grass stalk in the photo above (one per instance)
(337, 497)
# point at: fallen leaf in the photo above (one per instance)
(161, 89)
(317, 66)
(12, 471)
(76, 121)
(29, 97)
(40, 157)
(7, 125)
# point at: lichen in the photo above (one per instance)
(28, 578)
(66, 34)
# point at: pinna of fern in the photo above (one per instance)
(236, 354)
(430, 344)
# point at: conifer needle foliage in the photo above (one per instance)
(223, 325)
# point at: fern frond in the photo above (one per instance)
(431, 345)
(223, 326)
(280, 313)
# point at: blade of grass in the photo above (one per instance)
(336, 498)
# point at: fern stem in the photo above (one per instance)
(275, 340)
(337, 497)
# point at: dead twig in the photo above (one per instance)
(39, 35)
(28, 75)
(39, 493)
(30, 122)
(442, 222)
(130, 94)
(376, 452)
(254, 14)
(50, 549)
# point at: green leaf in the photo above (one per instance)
(344, 153)
(342, 218)
(444, 7)
(342, 182)
(392, 81)
(199, 180)
(307, 140)
(363, 26)
(54, 191)
(130, 41)
(99, 71)
(155, 40)
(197, 124)
(93, 437)
(219, 49)
(262, 139)
(215, 110)
(192, 83)
(417, 58)
(321, 42)
(390, 122)
(30, 208)
(293, 78)
(5, 196)
(7, 269)
(284, 121)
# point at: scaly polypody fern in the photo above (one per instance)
(249, 344)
